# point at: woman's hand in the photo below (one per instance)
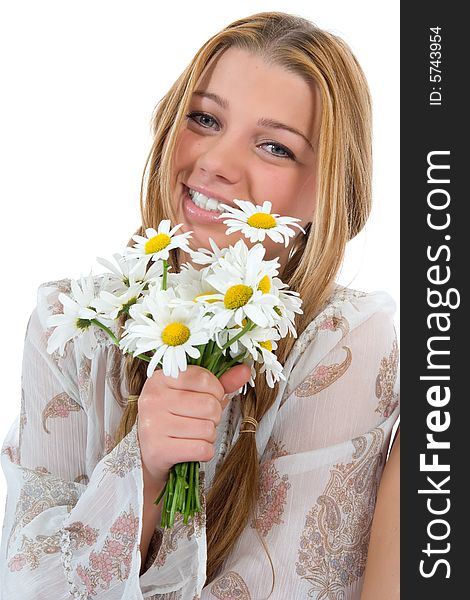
(178, 418)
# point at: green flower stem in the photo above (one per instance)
(116, 341)
(226, 366)
(208, 350)
(165, 271)
(196, 488)
(143, 357)
(201, 354)
(215, 364)
(249, 325)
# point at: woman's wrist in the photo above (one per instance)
(152, 485)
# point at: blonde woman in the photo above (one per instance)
(271, 108)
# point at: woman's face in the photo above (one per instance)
(238, 141)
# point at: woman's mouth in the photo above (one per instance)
(199, 208)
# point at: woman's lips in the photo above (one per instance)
(195, 214)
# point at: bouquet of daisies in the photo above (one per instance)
(231, 310)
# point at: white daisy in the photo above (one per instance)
(128, 341)
(250, 340)
(190, 284)
(203, 256)
(238, 295)
(287, 307)
(271, 366)
(260, 345)
(76, 320)
(256, 222)
(114, 305)
(128, 271)
(158, 243)
(172, 333)
(235, 260)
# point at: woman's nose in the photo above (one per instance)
(222, 157)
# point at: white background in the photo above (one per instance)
(79, 82)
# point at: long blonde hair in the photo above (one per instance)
(342, 208)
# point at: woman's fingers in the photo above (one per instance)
(235, 377)
(194, 379)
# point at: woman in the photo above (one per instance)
(271, 108)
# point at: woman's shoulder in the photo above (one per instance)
(345, 310)
(353, 307)
(343, 297)
(351, 320)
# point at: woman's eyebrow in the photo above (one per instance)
(263, 122)
(220, 101)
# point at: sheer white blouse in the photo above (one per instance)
(74, 510)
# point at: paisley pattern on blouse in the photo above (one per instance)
(114, 559)
(13, 453)
(332, 311)
(333, 323)
(32, 550)
(272, 500)
(230, 586)
(114, 374)
(169, 596)
(273, 490)
(108, 443)
(85, 382)
(333, 546)
(124, 457)
(59, 407)
(62, 286)
(385, 383)
(23, 418)
(41, 491)
(83, 479)
(323, 376)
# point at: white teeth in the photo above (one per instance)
(205, 202)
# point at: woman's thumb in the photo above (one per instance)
(235, 377)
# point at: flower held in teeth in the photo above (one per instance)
(256, 222)
(157, 244)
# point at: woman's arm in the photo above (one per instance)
(382, 575)
(152, 515)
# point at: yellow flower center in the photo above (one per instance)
(175, 334)
(157, 243)
(206, 294)
(264, 285)
(262, 221)
(237, 295)
(267, 344)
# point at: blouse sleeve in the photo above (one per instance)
(320, 470)
(73, 517)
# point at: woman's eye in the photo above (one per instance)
(285, 152)
(202, 119)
